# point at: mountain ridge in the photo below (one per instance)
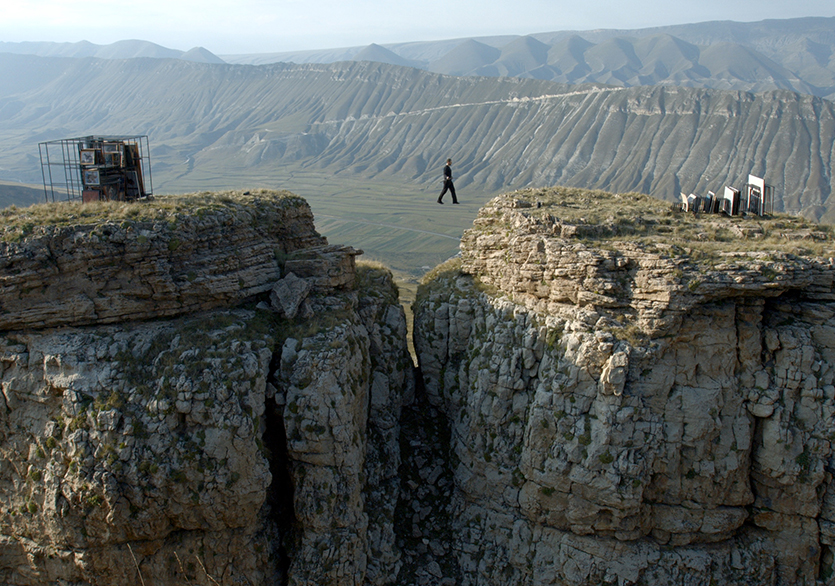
(369, 119)
(126, 49)
(793, 54)
(785, 62)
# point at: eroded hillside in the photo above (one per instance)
(216, 125)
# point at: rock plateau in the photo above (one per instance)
(159, 425)
(634, 396)
(201, 390)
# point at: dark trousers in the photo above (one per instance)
(448, 186)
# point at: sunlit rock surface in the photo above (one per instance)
(628, 407)
(177, 427)
(611, 392)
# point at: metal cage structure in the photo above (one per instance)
(96, 168)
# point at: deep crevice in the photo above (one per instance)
(279, 502)
(423, 518)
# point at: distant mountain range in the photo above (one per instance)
(118, 50)
(221, 125)
(796, 55)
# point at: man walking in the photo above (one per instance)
(448, 183)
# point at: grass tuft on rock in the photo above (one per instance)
(600, 216)
(18, 223)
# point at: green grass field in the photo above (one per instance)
(396, 223)
(20, 194)
(401, 226)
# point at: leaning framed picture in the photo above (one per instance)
(88, 156)
(110, 147)
(91, 177)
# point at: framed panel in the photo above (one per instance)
(91, 177)
(89, 195)
(88, 156)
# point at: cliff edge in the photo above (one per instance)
(634, 395)
(195, 390)
(202, 390)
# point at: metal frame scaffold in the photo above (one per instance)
(96, 168)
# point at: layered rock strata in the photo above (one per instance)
(628, 407)
(166, 258)
(230, 443)
(611, 394)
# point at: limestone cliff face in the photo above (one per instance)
(201, 390)
(250, 437)
(172, 259)
(629, 410)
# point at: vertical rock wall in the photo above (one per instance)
(669, 438)
(255, 445)
(581, 459)
(340, 389)
(134, 441)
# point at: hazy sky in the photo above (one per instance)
(259, 26)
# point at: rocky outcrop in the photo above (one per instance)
(235, 442)
(148, 261)
(339, 394)
(611, 393)
(630, 402)
(123, 441)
